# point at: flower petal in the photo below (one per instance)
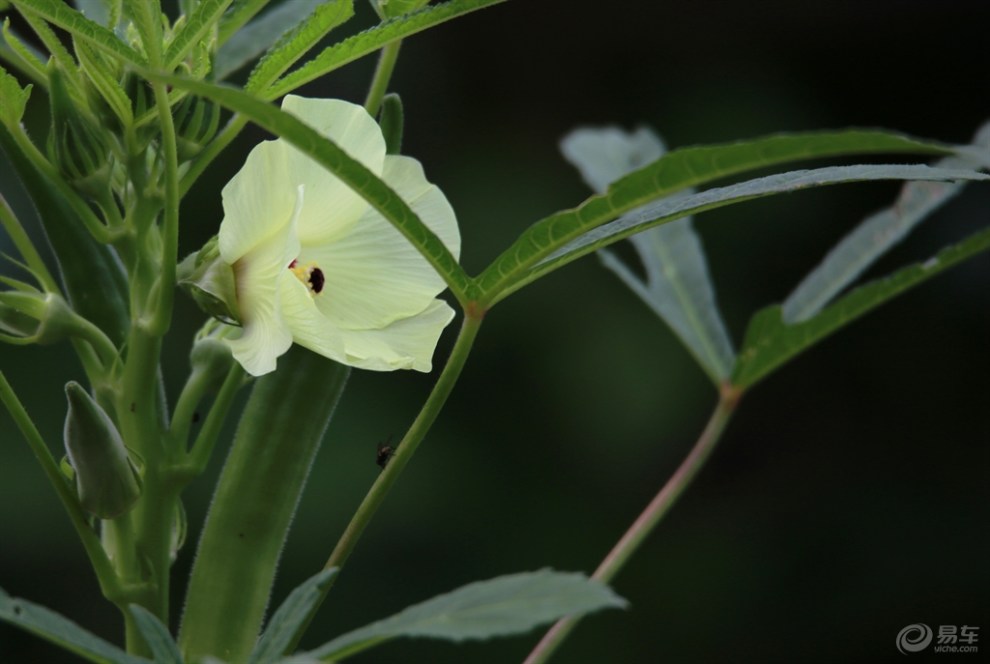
(405, 344)
(374, 276)
(258, 275)
(257, 202)
(331, 205)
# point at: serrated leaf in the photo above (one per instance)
(350, 171)
(104, 80)
(676, 171)
(161, 644)
(13, 99)
(198, 23)
(770, 342)
(257, 37)
(61, 631)
(503, 606)
(678, 288)
(22, 55)
(668, 209)
(294, 43)
(877, 234)
(372, 40)
(290, 618)
(81, 27)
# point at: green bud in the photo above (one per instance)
(76, 144)
(106, 481)
(390, 120)
(210, 282)
(393, 8)
(196, 122)
(210, 355)
(34, 317)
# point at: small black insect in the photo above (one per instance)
(385, 452)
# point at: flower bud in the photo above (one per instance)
(196, 122)
(106, 481)
(210, 282)
(210, 355)
(76, 144)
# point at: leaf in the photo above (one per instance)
(671, 208)
(770, 341)
(198, 23)
(104, 80)
(876, 235)
(350, 171)
(61, 631)
(81, 27)
(678, 287)
(369, 41)
(254, 39)
(507, 605)
(161, 644)
(291, 618)
(13, 99)
(22, 55)
(296, 42)
(675, 171)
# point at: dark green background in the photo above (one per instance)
(849, 496)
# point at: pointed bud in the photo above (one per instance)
(210, 355)
(106, 481)
(76, 145)
(196, 122)
(210, 282)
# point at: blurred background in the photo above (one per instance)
(847, 499)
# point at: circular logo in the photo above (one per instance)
(914, 638)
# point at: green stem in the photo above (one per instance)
(383, 74)
(165, 287)
(26, 248)
(650, 517)
(107, 577)
(202, 448)
(400, 458)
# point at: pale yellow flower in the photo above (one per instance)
(314, 264)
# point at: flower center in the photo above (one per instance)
(309, 274)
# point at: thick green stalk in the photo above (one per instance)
(650, 517)
(262, 480)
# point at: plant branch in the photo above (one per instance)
(650, 517)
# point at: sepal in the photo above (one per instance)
(210, 283)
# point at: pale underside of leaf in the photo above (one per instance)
(668, 209)
(879, 232)
(770, 342)
(678, 286)
(503, 606)
(60, 630)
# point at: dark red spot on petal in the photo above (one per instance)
(316, 279)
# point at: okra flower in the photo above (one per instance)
(313, 263)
